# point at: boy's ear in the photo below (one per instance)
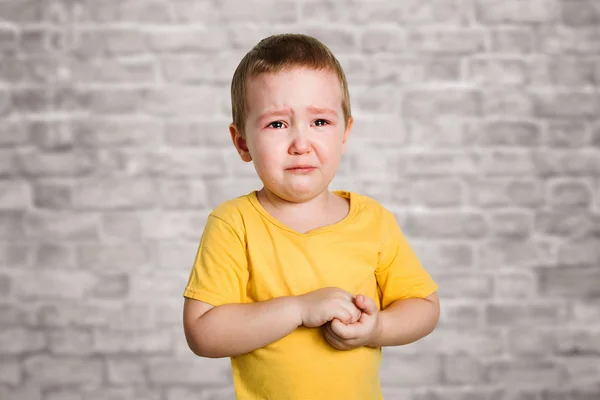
(240, 143)
(346, 133)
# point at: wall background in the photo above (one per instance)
(478, 124)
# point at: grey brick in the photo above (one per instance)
(570, 281)
(567, 104)
(568, 40)
(59, 164)
(76, 342)
(131, 342)
(509, 133)
(573, 342)
(182, 194)
(62, 225)
(532, 374)
(12, 134)
(511, 224)
(411, 370)
(583, 371)
(339, 40)
(531, 342)
(515, 11)
(121, 225)
(114, 257)
(51, 135)
(20, 393)
(569, 193)
(567, 134)
(183, 101)
(11, 225)
(15, 195)
(444, 256)
(438, 193)
(117, 101)
(54, 255)
(48, 285)
(501, 71)
(441, 163)
(183, 393)
(515, 285)
(502, 192)
(203, 68)
(458, 315)
(53, 195)
(126, 370)
(113, 132)
(446, 225)
(383, 40)
(571, 394)
(464, 286)
(475, 342)
(567, 222)
(181, 370)
(446, 41)
(508, 163)
(429, 103)
(581, 12)
(10, 371)
(425, 133)
(175, 40)
(110, 11)
(572, 72)
(8, 40)
(119, 41)
(47, 370)
(16, 255)
(232, 11)
(512, 40)
(187, 163)
(111, 287)
(20, 341)
(109, 194)
(507, 314)
(209, 133)
(568, 162)
(7, 100)
(463, 369)
(507, 101)
(26, 100)
(138, 71)
(25, 11)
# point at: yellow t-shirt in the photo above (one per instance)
(246, 255)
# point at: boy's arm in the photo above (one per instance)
(406, 321)
(230, 330)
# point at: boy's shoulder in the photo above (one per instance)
(367, 204)
(232, 211)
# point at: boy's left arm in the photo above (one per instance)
(402, 322)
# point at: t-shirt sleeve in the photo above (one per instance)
(399, 272)
(220, 271)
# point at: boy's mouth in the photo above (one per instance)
(301, 168)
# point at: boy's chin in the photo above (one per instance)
(297, 194)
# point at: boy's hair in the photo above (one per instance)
(277, 53)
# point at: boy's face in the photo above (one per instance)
(295, 119)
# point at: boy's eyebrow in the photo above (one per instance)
(288, 111)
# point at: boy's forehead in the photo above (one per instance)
(294, 84)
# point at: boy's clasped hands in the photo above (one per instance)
(348, 321)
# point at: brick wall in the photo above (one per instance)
(477, 123)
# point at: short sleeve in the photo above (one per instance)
(220, 272)
(399, 273)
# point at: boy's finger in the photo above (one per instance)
(366, 304)
(343, 331)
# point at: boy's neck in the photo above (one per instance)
(324, 209)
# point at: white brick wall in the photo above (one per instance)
(477, 123)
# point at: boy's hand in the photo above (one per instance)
(323, 305)
(361, 333)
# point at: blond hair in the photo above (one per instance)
(280, 52)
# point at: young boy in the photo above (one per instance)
(301, 286)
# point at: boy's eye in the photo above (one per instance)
(276, 125)
(321, 122)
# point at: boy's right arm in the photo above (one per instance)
(230, 330)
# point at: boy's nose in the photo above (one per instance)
(300, 142)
